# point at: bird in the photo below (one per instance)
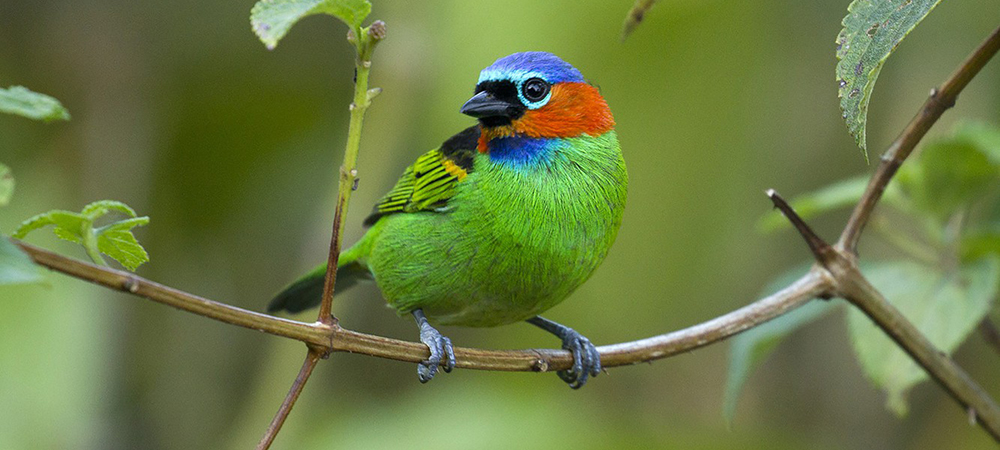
(502, 221)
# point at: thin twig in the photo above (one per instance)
(364, 40)
(313, 334)
(820, 249)
(308, 365)
(937, 103)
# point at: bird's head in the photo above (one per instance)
(537, 95)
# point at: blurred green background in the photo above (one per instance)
(232, 150)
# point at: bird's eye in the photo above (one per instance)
(535, 89)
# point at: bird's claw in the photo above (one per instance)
(586, 359)
(441, 350)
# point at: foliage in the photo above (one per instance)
(751, 348)
(271, 19)
(15, 266)
(872, 30)
(20, 101)
(114, 239)
(949, 192)
(946, 305)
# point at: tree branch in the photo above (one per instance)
(334, 338)
(942, 368)
(314, 334)
(308, 365)
(937, 103)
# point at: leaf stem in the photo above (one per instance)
(90, 243)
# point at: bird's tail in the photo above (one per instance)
(307, 291)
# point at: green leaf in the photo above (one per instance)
(102, 207)
(15, 266)
(979, 242)
(983, 136)
(22, 102)
(750, 348)
(69, 225)
(115, 239)
(6, 185)
(271, 19)
(944, 306)
(872, 30)
(950, 173)
(123, 247)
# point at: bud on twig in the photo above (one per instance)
(377, 30)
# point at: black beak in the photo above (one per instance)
(483, 105)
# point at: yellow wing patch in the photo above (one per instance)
(454, 170)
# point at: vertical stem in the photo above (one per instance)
(90, 244)
(364, 40)
(293, 394)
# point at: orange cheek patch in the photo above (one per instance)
(573, 110)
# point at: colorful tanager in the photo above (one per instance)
(502, 221)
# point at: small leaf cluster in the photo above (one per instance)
(114, 239)
(945, 223)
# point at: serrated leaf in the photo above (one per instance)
(6, 185)
(102, 207)
(750, 348)
(15, 266)
(123, 247)
(872, 30)
(71, 223)
(115, 239)
(944, 306)
(20, 101)
(271, 19)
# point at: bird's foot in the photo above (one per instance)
(586, 359)
(439, 345)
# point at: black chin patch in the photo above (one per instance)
(495, 121)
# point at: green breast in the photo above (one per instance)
(512, 243)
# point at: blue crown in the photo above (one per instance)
(522, 66)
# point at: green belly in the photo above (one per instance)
(513, 243)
